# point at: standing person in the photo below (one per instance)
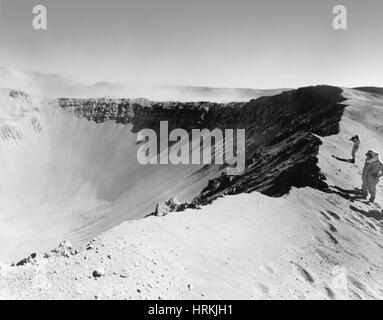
(355, 147)
(372, 171)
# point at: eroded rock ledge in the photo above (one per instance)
(281, 149)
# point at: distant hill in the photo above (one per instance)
(53, 86)
(376, 90)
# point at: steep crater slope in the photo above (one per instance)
(281, 145)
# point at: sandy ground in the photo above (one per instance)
(306, 245)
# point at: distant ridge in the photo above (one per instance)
(54, 86)
(376, 90)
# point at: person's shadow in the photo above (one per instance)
(343, 160)
(375, 213)
(351, 195)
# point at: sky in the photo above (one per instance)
(219, 43)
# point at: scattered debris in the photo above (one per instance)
(64, 249)
(163, 208)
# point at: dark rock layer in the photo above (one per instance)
(281, 150)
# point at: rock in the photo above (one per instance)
(64, 249)
(163, 208)
(65, 244)
(22, 262)
(98, 273)
(34, 258)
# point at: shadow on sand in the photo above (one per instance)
(375, 213)
(356, 195)
(343, 160)
(351, 195)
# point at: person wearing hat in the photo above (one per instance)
(372, 171)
